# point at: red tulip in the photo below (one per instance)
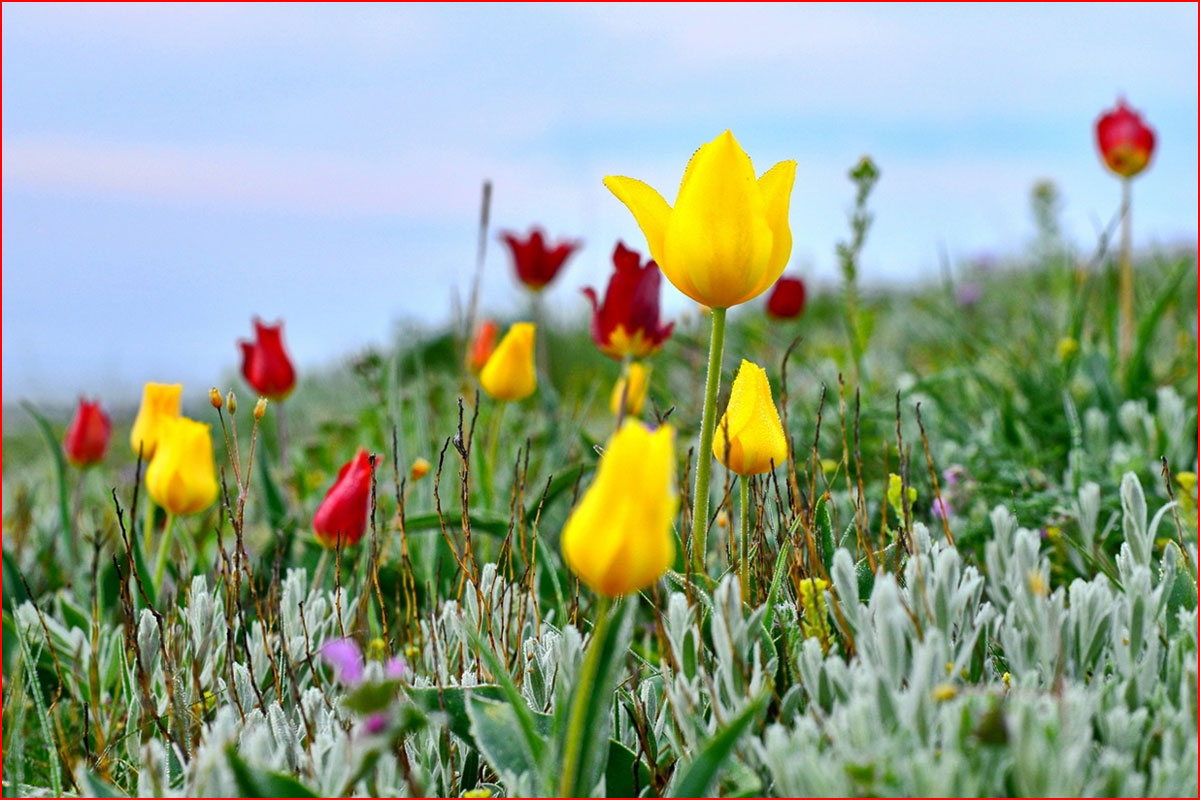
(786, 300)
(265, 362)
(536, 265)
(341, 519)
(483, 345)
(87, 438)
(627, 322)
(1126, 143)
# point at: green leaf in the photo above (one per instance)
(368, 697)
(60, 471)
(699, 774)
(620, 778)
(497, 732)
(613, 643)
(1138, 369)
(452, 700)
(484, 523)
(255, 782)
(95, 787)
(14, 586)
(825, 532)
(273, 498)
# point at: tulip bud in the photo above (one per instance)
(420, 468)
(627, 323)
(635, 398)
(1126, 143)
(786, 300)
(260, 408)
(509, 373)
(341, 519)
(749, 438)
(895, 487)
(727, 238)
(231, 402)
(215, 399)
(618, 539)
(266, 365)
(160, 402)
(87, 437)
(182, 477)
(535, 263)
(722, 519)
(483, 345)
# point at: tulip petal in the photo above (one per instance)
(717, 235)
(648, 208)
(776, 187)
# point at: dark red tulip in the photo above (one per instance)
(536, 263)
(627, 322)
(786, 300)
(341, 519)
(87, 437)
(265, 362)
(1126, 142)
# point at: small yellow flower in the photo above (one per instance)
(815, 624)
(639, 384)
(949, 667)
(509, 373)
(182, 478)
(160, 402)
(749, 438)
(830, 465)
(1067, 347)
(477, 793)
(618, 540)
(1037, 583)
(727, 239)
(420, 468)
(944, 691)
(895, 486)
(1006, 678)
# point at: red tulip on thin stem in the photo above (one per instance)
(786, 300)
(627, 322)
(535, 262)
(87, 437)
(1126, 143)
(341, 519)
(265, 362)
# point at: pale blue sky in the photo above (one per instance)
(170, 171)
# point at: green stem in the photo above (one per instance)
(744, 551)
(708, 422)
(148, 526)
(493, 448)
(1127, 324)
(626, 360)
(164, 547)
(583, 693)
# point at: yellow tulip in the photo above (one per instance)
(182, 478)
(749, 439)
(509, 372)
(618, 540)
(727, 239)
(160, 402)
(639, 383)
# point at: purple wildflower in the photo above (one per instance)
(346, 659)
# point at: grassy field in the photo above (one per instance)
(1035, 636)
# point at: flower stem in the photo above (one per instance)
(1126, 272)
(708, 422)
(583, 693)
(164, 547)
(493, 449)
(744, 550)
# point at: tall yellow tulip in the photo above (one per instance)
(727, 239)
(618, 540)
(750, 439)
(638, 378)
(182, 478)
(160, 402)
(509, 373)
